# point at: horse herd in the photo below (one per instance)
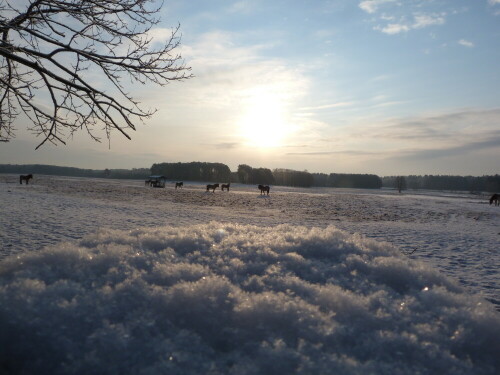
(264, 189)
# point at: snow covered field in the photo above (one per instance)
(129, 279)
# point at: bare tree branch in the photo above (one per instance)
(49, 47)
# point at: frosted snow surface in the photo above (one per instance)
(202, 283)
(238, 299)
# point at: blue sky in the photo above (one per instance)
(375, 86)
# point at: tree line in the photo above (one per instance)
(218, 172)
(347, 180)
(442, 182)
(193, 171)
(290, 177)
(135, 173)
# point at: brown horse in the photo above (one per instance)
(264, 189)
(179, 185)
(26, 178)
(225, 186)
(496, 199)
(212, 187)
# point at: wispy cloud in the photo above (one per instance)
(420, 21)
(424, 20)
(224, 145)
(400, 17)
(329, 153)
(393, 28)
(492, 141)
(460, 126)
(371, 6)
(466, 43)
(421, 138)
(327, 106)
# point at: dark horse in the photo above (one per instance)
(225, 186)
(179, 184)
(26, 178)
(495, 198)
(264, 189)
(212, 187)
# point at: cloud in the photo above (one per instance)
(393, 28)
(225, 145)
(328, 106)
(420, 21)
(457, 133)
(424, 20)
(493, 2)
(491, 141)
(466, 43)
(329, 153)
(459, 126)
(159, 35)
(371, 6)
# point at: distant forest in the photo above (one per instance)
(218, 172)
(136, 173)
(194, 171)
(455, 183)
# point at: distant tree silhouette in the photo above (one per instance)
(357, 181)
(245, 174)
(52, 50)
(289, 177)
(400, 183)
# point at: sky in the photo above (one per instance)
(343, 86)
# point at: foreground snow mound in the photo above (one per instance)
(236, 299)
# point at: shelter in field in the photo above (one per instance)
(156, 181)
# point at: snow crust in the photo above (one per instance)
(221, 298)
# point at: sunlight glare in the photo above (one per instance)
(263, 122)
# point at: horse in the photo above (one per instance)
(179, 185)
(495, 198)
(264, 189)
(212, 187)
(148, 182)
(26, 178)
(225, 186)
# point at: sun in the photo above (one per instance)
(263, 123)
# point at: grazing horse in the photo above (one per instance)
(225, 186)
(495, 198)
(212, 187)
(264, 189)
(26, 178)
(179, 185)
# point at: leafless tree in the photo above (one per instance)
(56, 57)
(400, 183)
